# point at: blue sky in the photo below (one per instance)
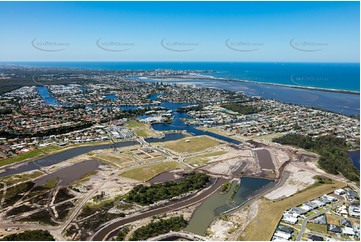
(180, 31)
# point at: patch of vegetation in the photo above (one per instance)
(122, 233)
(133, 124)
(51, 183)
(99, 216)
(191, 108)
(202, 159)
(320, 228)
(42, 199)
(30, 235)
(146, 195)
(147, 172)
(195, 144)
(124, 206)
(240, 108)
(64, 209)
(63, 195)
(11, 180)
(36, 192)
(141, 132)
(332, 219)
(5, 110)
(87, 176)
(159, 227)
(91, 208)
(13, 194)
(323, 180)
(19, 210)
(333, 151)
(42, 217)
(225, 188)
(71, 230)
(235, 189)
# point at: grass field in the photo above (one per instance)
(270, 213)
(51, 183)
(202, 159)
(270, 137)
(141, 129)
(133, 124)
(141, 132)
(147, 172)
(196, 144)
(118, 160)
(331, 219)
(320, 228)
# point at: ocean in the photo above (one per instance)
(340, 76)
(335, 76)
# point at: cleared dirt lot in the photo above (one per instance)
(264, 159)
(298, 180)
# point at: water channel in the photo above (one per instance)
(218, 203)
(211, 207)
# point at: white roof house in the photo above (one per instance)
(339, 192)
(354, 211)
(348, 231)
(290, 219)
(282, 234)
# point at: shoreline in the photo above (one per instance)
(193, 74)
(257, 82)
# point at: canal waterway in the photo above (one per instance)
(218, 203)
(213, 206)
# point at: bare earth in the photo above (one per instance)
(298, 180)
(227, 227)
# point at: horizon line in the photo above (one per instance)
(176, 61)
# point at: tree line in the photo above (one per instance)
(332, 150)
(146, 195)
(162, 226)
(30, 235)
(240, 108)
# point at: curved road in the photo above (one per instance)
(304, 223)
(105, 232)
